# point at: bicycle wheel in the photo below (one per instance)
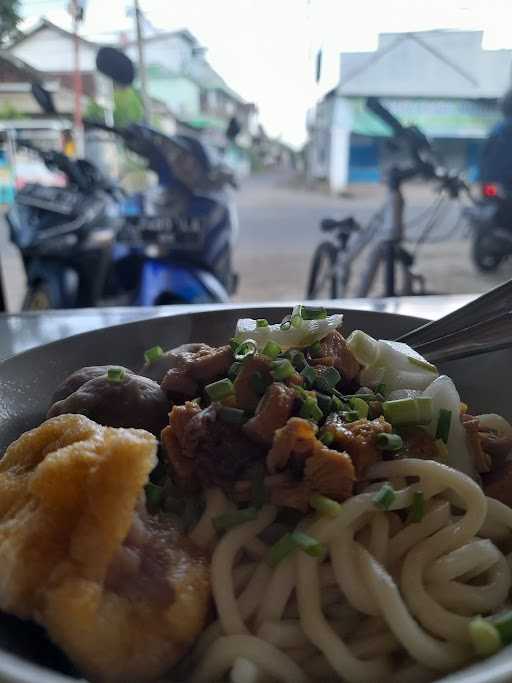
(322, 282)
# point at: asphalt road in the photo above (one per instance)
(279, 231)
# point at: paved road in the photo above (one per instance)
(279, 231)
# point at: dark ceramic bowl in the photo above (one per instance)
(28, 380)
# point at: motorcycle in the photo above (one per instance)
(491, 221)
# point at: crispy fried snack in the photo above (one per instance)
(121, 593)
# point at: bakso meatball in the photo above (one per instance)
(157, 366)
(79, 377)
(118, 399)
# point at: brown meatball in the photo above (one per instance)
(195, 364)
(79, 377)
(135, 401)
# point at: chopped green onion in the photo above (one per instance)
(308, 374)
(324, 403)
(315, 350)
(337, 404)
(380, 388)
(234, 370)
(261, 322)
(389, 442)
(327, 438)
(245, 349)
(313, 313)
(298, 359)
(484, 636)
(197, 400)
(422, 364)
(443, 424)
(153, 353)
(115, 374)
(234, 343)
(310, 410)
(328, 379)
(418, 507)
(258, 383)
(285, 325)
(309, 544)
(296, 320)
(408, 411)
(154, 495)
(325, 506)
(229, 520)
(271, 350)
(218, 391)
(503, 624)
(360, 406)
(232, 416)
(281, 549)
(350, 415)
(301, 393)
(442, 449)
(282, 369)
(364, 397)
(385, 497)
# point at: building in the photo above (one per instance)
(443, 81)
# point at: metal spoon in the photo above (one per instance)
(492, 304)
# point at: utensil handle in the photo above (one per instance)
(490, 335)
(491, 304)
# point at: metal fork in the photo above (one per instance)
(481, 326)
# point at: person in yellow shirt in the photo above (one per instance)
(68, 144)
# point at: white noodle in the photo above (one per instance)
(204, 534)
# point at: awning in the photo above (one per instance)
(437, 118)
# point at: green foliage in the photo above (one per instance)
(94, 111)
(127, 107)
(9, 19)
(8, 112)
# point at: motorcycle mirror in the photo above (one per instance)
(43, 98)
(116, 65)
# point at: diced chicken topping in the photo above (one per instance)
(246, 389)
(335, 353)
(272, 413)
(359, 439)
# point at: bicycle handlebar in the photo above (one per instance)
(376, 106)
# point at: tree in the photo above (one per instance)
(9, 19)
(127, 107)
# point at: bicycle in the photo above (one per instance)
(331, 265)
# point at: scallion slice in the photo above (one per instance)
(218, 391)
(408, 411)
(503, 624)
(286, 325)
(245, 349)
(308, 375)
(153, 353)
(313, 313)
(350, 415)
(328, 379)
(281, 549)
(327, 438)
(296, 320)
(229, 520)
(297, 359)
(484, 636)
(271, 350)
(310, 410)
(234, 370)
(360, 406)
(308, 544)
(418, 507)
(324, 403)
(385, 497)
(325, 506)
(315, 350)
(261, 322)
(337, 404)
(443, 424)
(232, 416)
(115, 375)
(282, 369)
(389, 442)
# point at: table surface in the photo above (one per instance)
(22, 331)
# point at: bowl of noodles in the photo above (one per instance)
(254, 495)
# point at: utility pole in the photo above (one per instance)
(76, 8)
(146, 103)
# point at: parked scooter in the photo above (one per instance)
(491, 222)
(65, 234)
(190, 221)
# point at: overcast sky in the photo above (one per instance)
(265, 49)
